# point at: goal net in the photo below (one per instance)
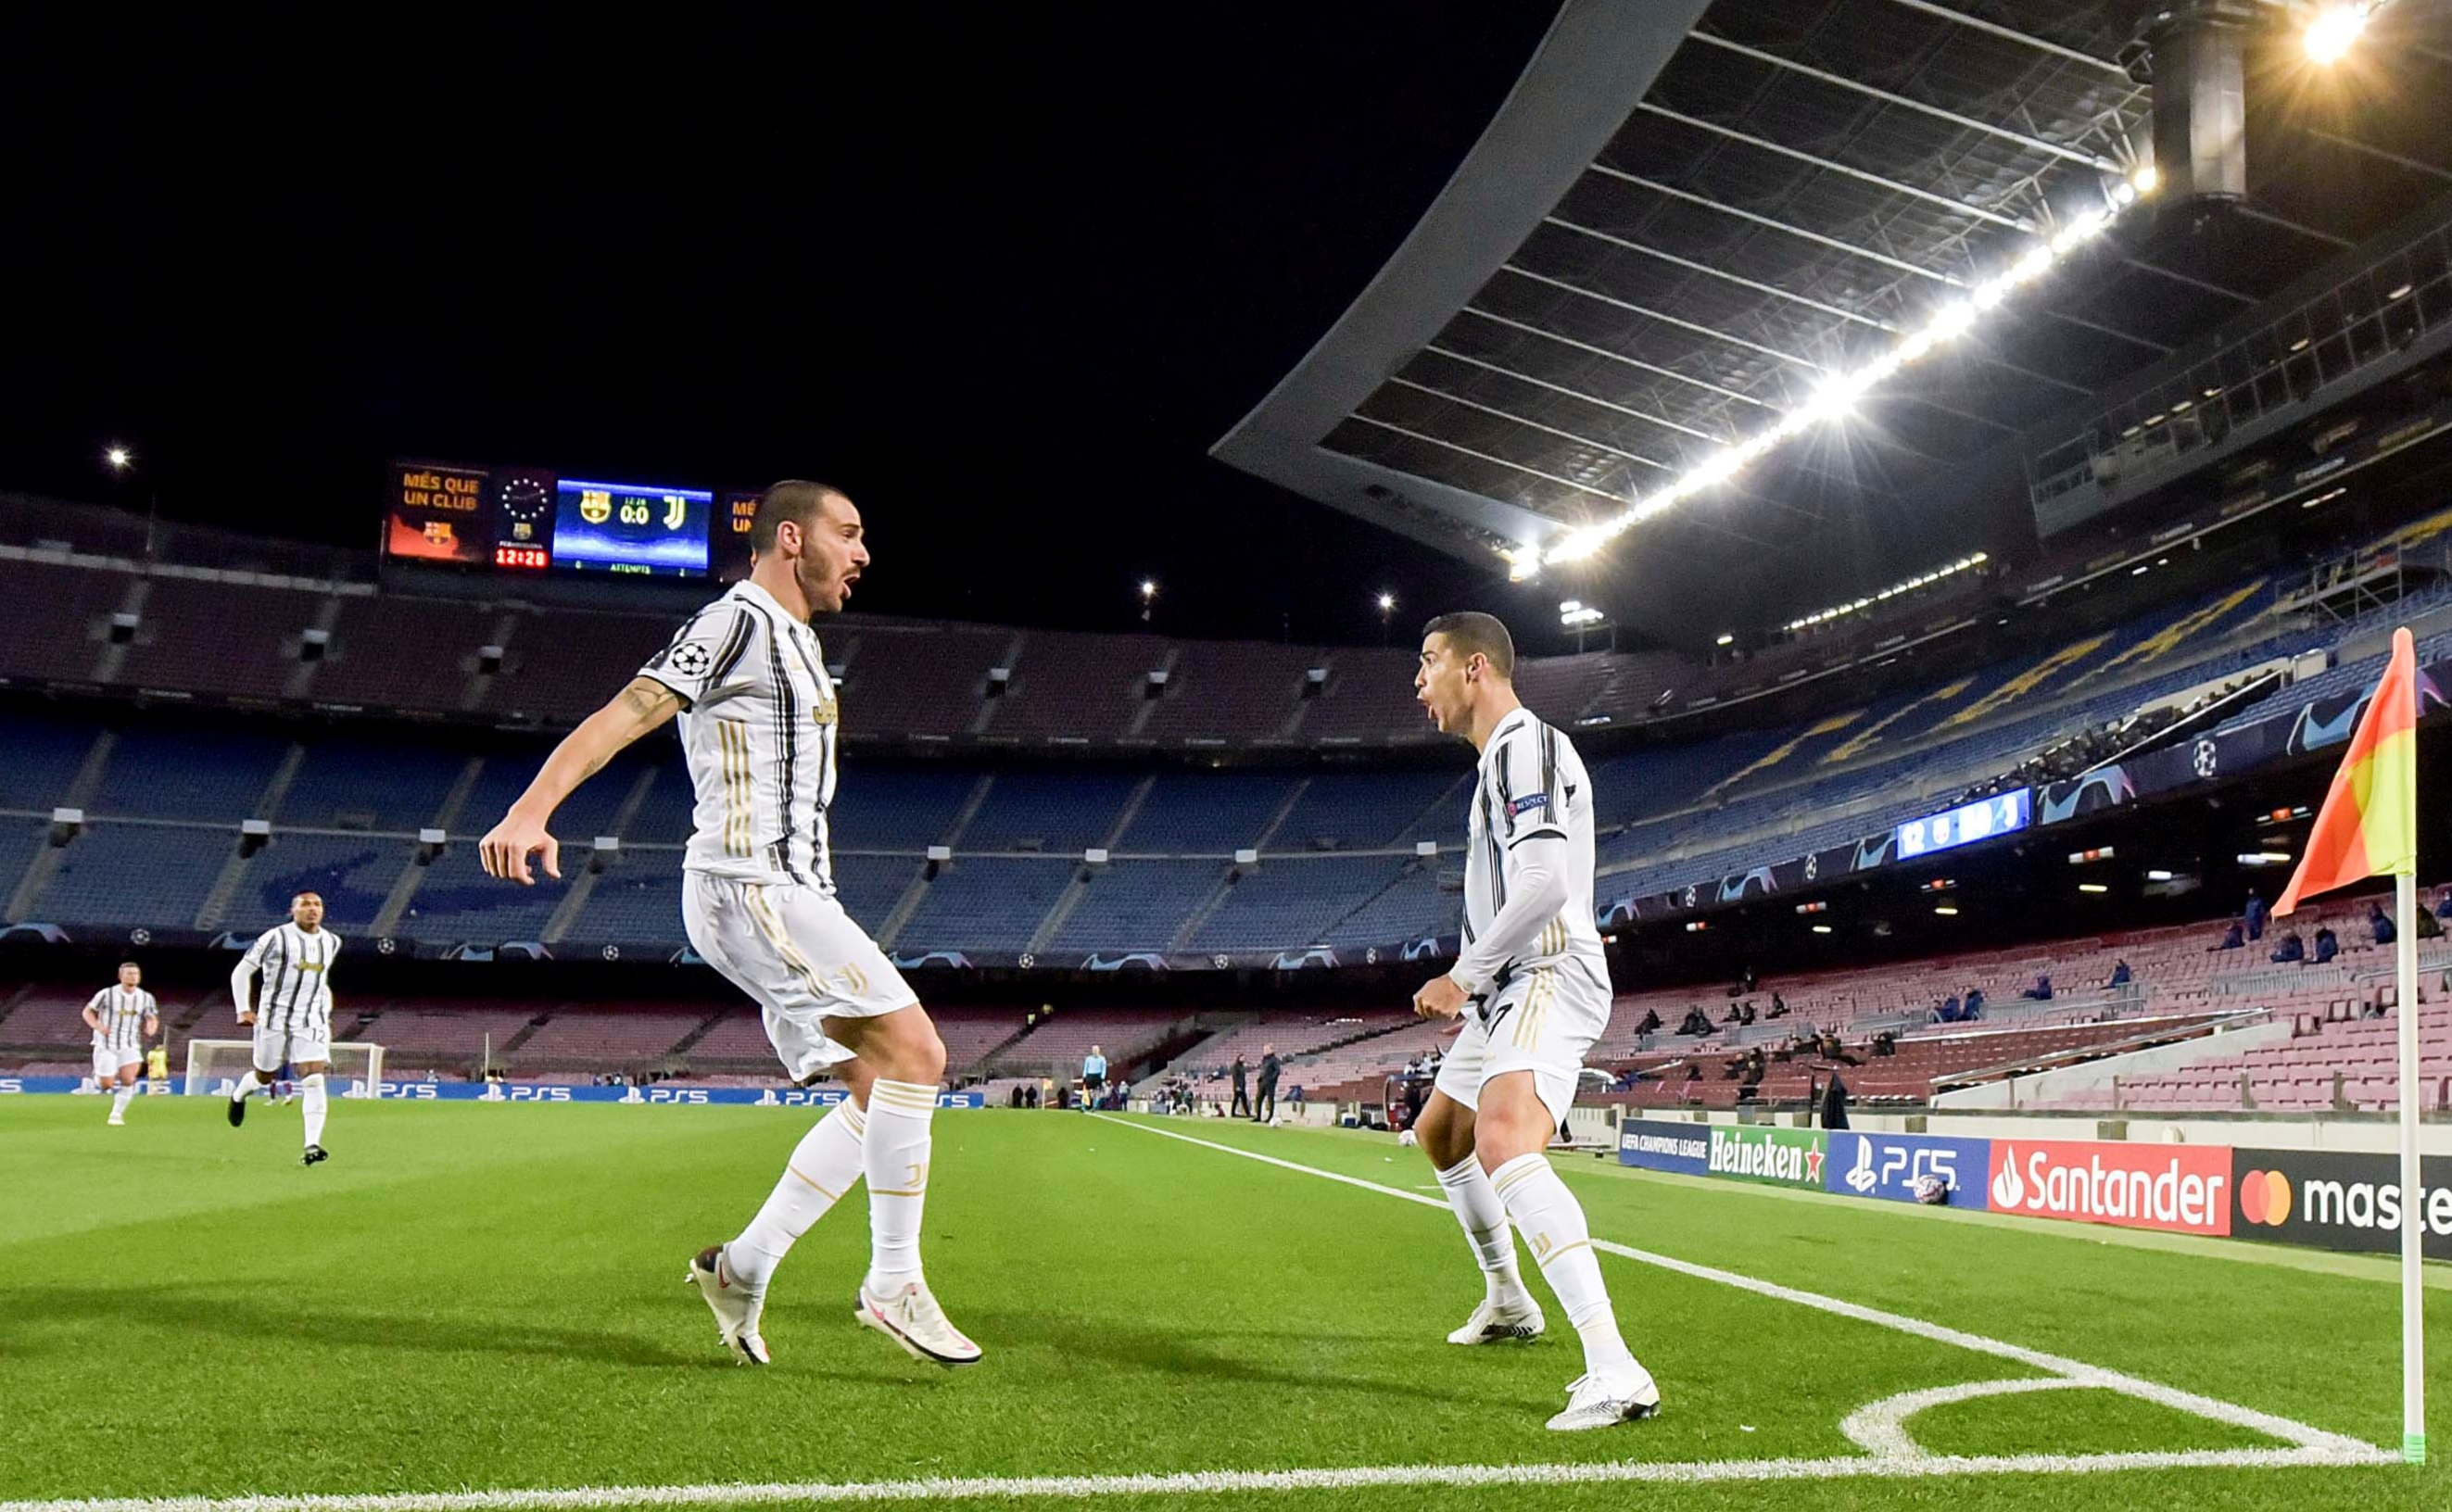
(215, 1067)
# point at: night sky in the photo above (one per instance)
(1004, 279)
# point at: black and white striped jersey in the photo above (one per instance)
(1531, 783)
(296, 967)
(123, 1012)
(759, 729)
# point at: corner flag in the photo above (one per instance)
(2368, 826)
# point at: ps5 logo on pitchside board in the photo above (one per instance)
(1901, 1166)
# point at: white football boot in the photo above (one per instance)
(1603, 1401)
(1502, 1323)
(736, 1308)
(911, 1317)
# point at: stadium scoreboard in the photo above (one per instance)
(526, 519)
(1965, 825)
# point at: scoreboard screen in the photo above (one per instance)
(631, 527)
(524, 519)
(439, 514)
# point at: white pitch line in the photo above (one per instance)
(2288, 1429)
(1684, 1472)
(1881, 1427)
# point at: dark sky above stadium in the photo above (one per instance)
(1004, 277)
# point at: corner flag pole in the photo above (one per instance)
(2368, 826)
(2412, 1295)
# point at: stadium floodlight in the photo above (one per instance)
(1727, 637)
(1836, 395)
(1387, 601)
(118, 457)
(2329, 37)
(1149, 588)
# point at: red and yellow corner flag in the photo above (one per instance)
(2368, 826)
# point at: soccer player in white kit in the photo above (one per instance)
(122, 1018)
(293, 1019)
(1533, 986)
(759, 725)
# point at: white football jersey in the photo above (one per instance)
(123, 1012)
(1531, 783)
(295, 989)
(758, 728)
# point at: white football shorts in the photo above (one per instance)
(1542, 1021)
(306, 1043)
(799, 955)
(108, 1061)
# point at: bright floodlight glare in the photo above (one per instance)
(2335, 27)
(1725, 639)
(118, 457)
(1149, 588)
(1387, 600)
(1835, 397)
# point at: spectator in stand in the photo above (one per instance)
(1698, 1022)
(1947, 1013)
(2255, 914)
(2328, 946)
(2119, 976)
(1650, 1021)
(1694, 1071)
(1242, 1105)
(1974, 1008)
(1834, 1104)
(2291, 952)
(1829, 1049)
(2443, 905)
(2234, 938)
(1886, 1043)
(1779, 1004)
(1093, 1075)
(2429, 927)
(1732, 1068)
(2381, 923)
(1746, 1014)
(2041, 992)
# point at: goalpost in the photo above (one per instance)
(214, 1066)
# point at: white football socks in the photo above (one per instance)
(894, 1155)
(822, 1167)
(311, 1093)
(119, 1099)
(1484, 1218)
(1552, 1223)
(248, 1087)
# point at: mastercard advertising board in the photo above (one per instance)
(2179, 1188)
(2338, 1200)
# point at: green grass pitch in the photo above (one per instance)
(484, 1298)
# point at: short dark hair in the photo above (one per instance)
(1469, 631)
(797, 499)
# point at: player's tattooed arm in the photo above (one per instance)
(637, 710)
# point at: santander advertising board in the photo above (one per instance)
(2184, 1188)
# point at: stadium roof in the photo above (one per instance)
(1688, 216)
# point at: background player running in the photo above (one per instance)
(293, 1020)
(1533, 985)
(758, 722)
(122, 1018)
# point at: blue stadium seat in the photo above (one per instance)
(135, 875)
(44, 755)
(986, 903)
